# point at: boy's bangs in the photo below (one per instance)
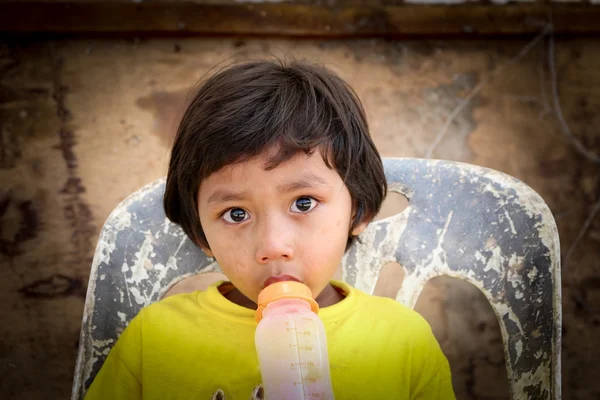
(304, 126)
(286, 148)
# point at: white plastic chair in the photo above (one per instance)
(463, 221)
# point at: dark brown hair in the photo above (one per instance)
(247, 108)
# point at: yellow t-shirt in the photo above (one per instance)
(190, 345)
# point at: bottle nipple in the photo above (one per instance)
(284, 290)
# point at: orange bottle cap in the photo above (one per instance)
(284, 290)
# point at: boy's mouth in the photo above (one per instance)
(279, 278)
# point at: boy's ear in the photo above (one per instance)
(359, 228)
(363, 224)
(207, 251)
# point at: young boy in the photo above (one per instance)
(274, 174)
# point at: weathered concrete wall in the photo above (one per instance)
(85, 122)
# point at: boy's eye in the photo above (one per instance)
(303, 204)
(235, 215)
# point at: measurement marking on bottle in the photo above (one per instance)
(295, 364)
(307, 348)
(302, 383)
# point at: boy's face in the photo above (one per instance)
(262, 225)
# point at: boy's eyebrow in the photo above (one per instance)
(223, 196)
(306, 181)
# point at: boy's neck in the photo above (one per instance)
(328, 297)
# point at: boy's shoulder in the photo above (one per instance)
(179, 303)
(400, 324)
(391, 311)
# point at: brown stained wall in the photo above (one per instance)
(84, 123)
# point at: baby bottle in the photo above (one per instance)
(291, 344)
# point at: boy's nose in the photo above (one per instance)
(273, 244)
(272, 250)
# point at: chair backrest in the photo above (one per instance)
(462, 220)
